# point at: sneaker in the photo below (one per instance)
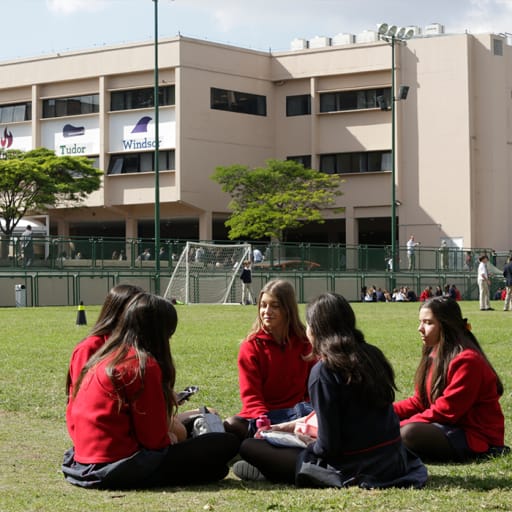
(245, 471)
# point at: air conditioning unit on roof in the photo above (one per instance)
(434, 29)
(319, 42)
(339, 39)
(299, 44)
(367, 36)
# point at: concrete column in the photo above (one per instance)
(205, 226)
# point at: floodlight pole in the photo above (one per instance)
(393, 38)
(394, 266)
(157, 158)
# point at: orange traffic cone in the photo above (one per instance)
(80, 316)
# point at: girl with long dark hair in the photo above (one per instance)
(455, 412)
(121, 414)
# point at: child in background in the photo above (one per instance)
(273, 364)
(246, 278)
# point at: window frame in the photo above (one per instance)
(136, 162)
(355, 162)
(71, 106)
(143, 97)
(353, 99)
(238, 102)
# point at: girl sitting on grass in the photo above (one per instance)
(352, 391)
(273, 364)
(121, 414)
(109, 316)
(455, 414)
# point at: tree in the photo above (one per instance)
(36, 180)
(266, 201)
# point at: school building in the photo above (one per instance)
(320, 103)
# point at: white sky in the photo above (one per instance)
(38, 27)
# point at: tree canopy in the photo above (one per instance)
(36, 180)
(266, 201)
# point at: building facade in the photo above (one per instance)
(319, 103)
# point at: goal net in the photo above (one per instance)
(208, 273)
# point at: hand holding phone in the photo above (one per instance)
(184, 395)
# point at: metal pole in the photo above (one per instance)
(394, 259)
(157, 160)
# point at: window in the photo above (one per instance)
(234, 101)
(298, 105)
(353, 100)
(141, 98)
(305, 160)
(343, 163)
(72, 106)
(16, 112)
(126, 163)
(497, 47)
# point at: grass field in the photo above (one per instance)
(35, 347)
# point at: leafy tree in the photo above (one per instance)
(266, 201)
(36, 180)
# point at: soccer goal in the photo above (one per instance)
(208, 273)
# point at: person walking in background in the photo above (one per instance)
(246, 278)
(352, 390)
(443, 255)
(507, 274)
(273, 367)
(257, 255)
(121, 415)
(411, 252)
(454, 414)
(484, 282)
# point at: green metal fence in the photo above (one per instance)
(78, 267)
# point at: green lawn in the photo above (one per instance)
(36, 344)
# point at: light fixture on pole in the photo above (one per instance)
(157, 157)
(394, 35)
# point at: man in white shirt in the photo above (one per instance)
(411, 246)
(483, 283)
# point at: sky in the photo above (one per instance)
(33, 28)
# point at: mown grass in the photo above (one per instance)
(35, 345)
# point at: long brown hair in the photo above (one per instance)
(147, 324)
(455, 337)
(110, 313)
(284, 293)
(343, 349)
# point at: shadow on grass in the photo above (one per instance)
(468, 482)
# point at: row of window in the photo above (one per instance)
(344, 163)
(334, 163)
(88, 104)
(220, 99)
(300, 104)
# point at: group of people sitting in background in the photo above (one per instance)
(318, 400)
(406, 294)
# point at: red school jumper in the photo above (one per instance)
(470, 401)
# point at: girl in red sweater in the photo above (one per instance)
(109, 316)
(122, 412)
(455, 413)
(273, 364)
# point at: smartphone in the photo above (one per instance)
(184, 395)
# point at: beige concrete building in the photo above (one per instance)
(319, 103)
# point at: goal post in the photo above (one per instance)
(207, 273)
